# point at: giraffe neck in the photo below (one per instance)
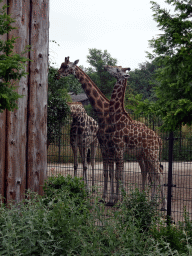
(117, 99)
(97, 99)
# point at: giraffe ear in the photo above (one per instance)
(125, 69)
(75, 62)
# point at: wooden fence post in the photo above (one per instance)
(38, 87)
(2, 136)
(23, 133)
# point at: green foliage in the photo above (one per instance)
(141, 81)
(172, 51)
(89, 110)
(11, 65)
(57, 105)
(56, 225)
(73, 84)
(32, 228)
(173, 235)
(141, 210)
(97, 59)
(74, 186)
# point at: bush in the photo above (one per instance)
(74, 187)
(61, 223)
(142, 211)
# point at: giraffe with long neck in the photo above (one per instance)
(137, 138)
(100, 105)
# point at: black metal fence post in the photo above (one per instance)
(59, 143)
(170, 178)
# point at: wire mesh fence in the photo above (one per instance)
(61, 160)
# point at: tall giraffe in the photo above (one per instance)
(83, 135)
(140, 141)
(100, 105)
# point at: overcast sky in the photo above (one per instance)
(121, 27)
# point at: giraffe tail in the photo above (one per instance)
(89, 156)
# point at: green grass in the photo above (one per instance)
(64, 222)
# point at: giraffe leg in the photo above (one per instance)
(94, 146)
(105, 173)
(152, 169)
(74, 148)
(119, 176)
(83, 152)
(142, 165)
(156, 179)
(111, 175)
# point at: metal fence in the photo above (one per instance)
(176, 159)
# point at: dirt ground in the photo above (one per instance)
(182, 178)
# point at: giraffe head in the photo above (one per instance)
(117, 71)
(76, 109)
(67, 68)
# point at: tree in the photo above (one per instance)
(11, 65)
(57, 105)
(172, 51)
(141, 80)
(97, 59)
(73, 84)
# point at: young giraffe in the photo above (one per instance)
(101, 106)
(83, 135)
(140, 141)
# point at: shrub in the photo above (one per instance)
(142, 211)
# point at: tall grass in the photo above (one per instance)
(63, 222)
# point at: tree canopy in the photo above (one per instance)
(141, 80)
(57, 105)
(97, 59)
(172, 51)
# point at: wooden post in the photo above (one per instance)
(2, 137)
(23, 135)
(38, 87)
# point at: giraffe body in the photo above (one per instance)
(100, 105)
(83, 135)
(134, 137)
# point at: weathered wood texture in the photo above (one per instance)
(17, 121)
(26, 131)
(38, 80)
(2, 135)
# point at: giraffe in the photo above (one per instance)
(138, 139)
(83, 134)
(100, 105)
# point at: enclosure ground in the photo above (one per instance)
(182, 178)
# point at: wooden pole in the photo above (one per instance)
(38, 87)
(2, 136)
(23, 133)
